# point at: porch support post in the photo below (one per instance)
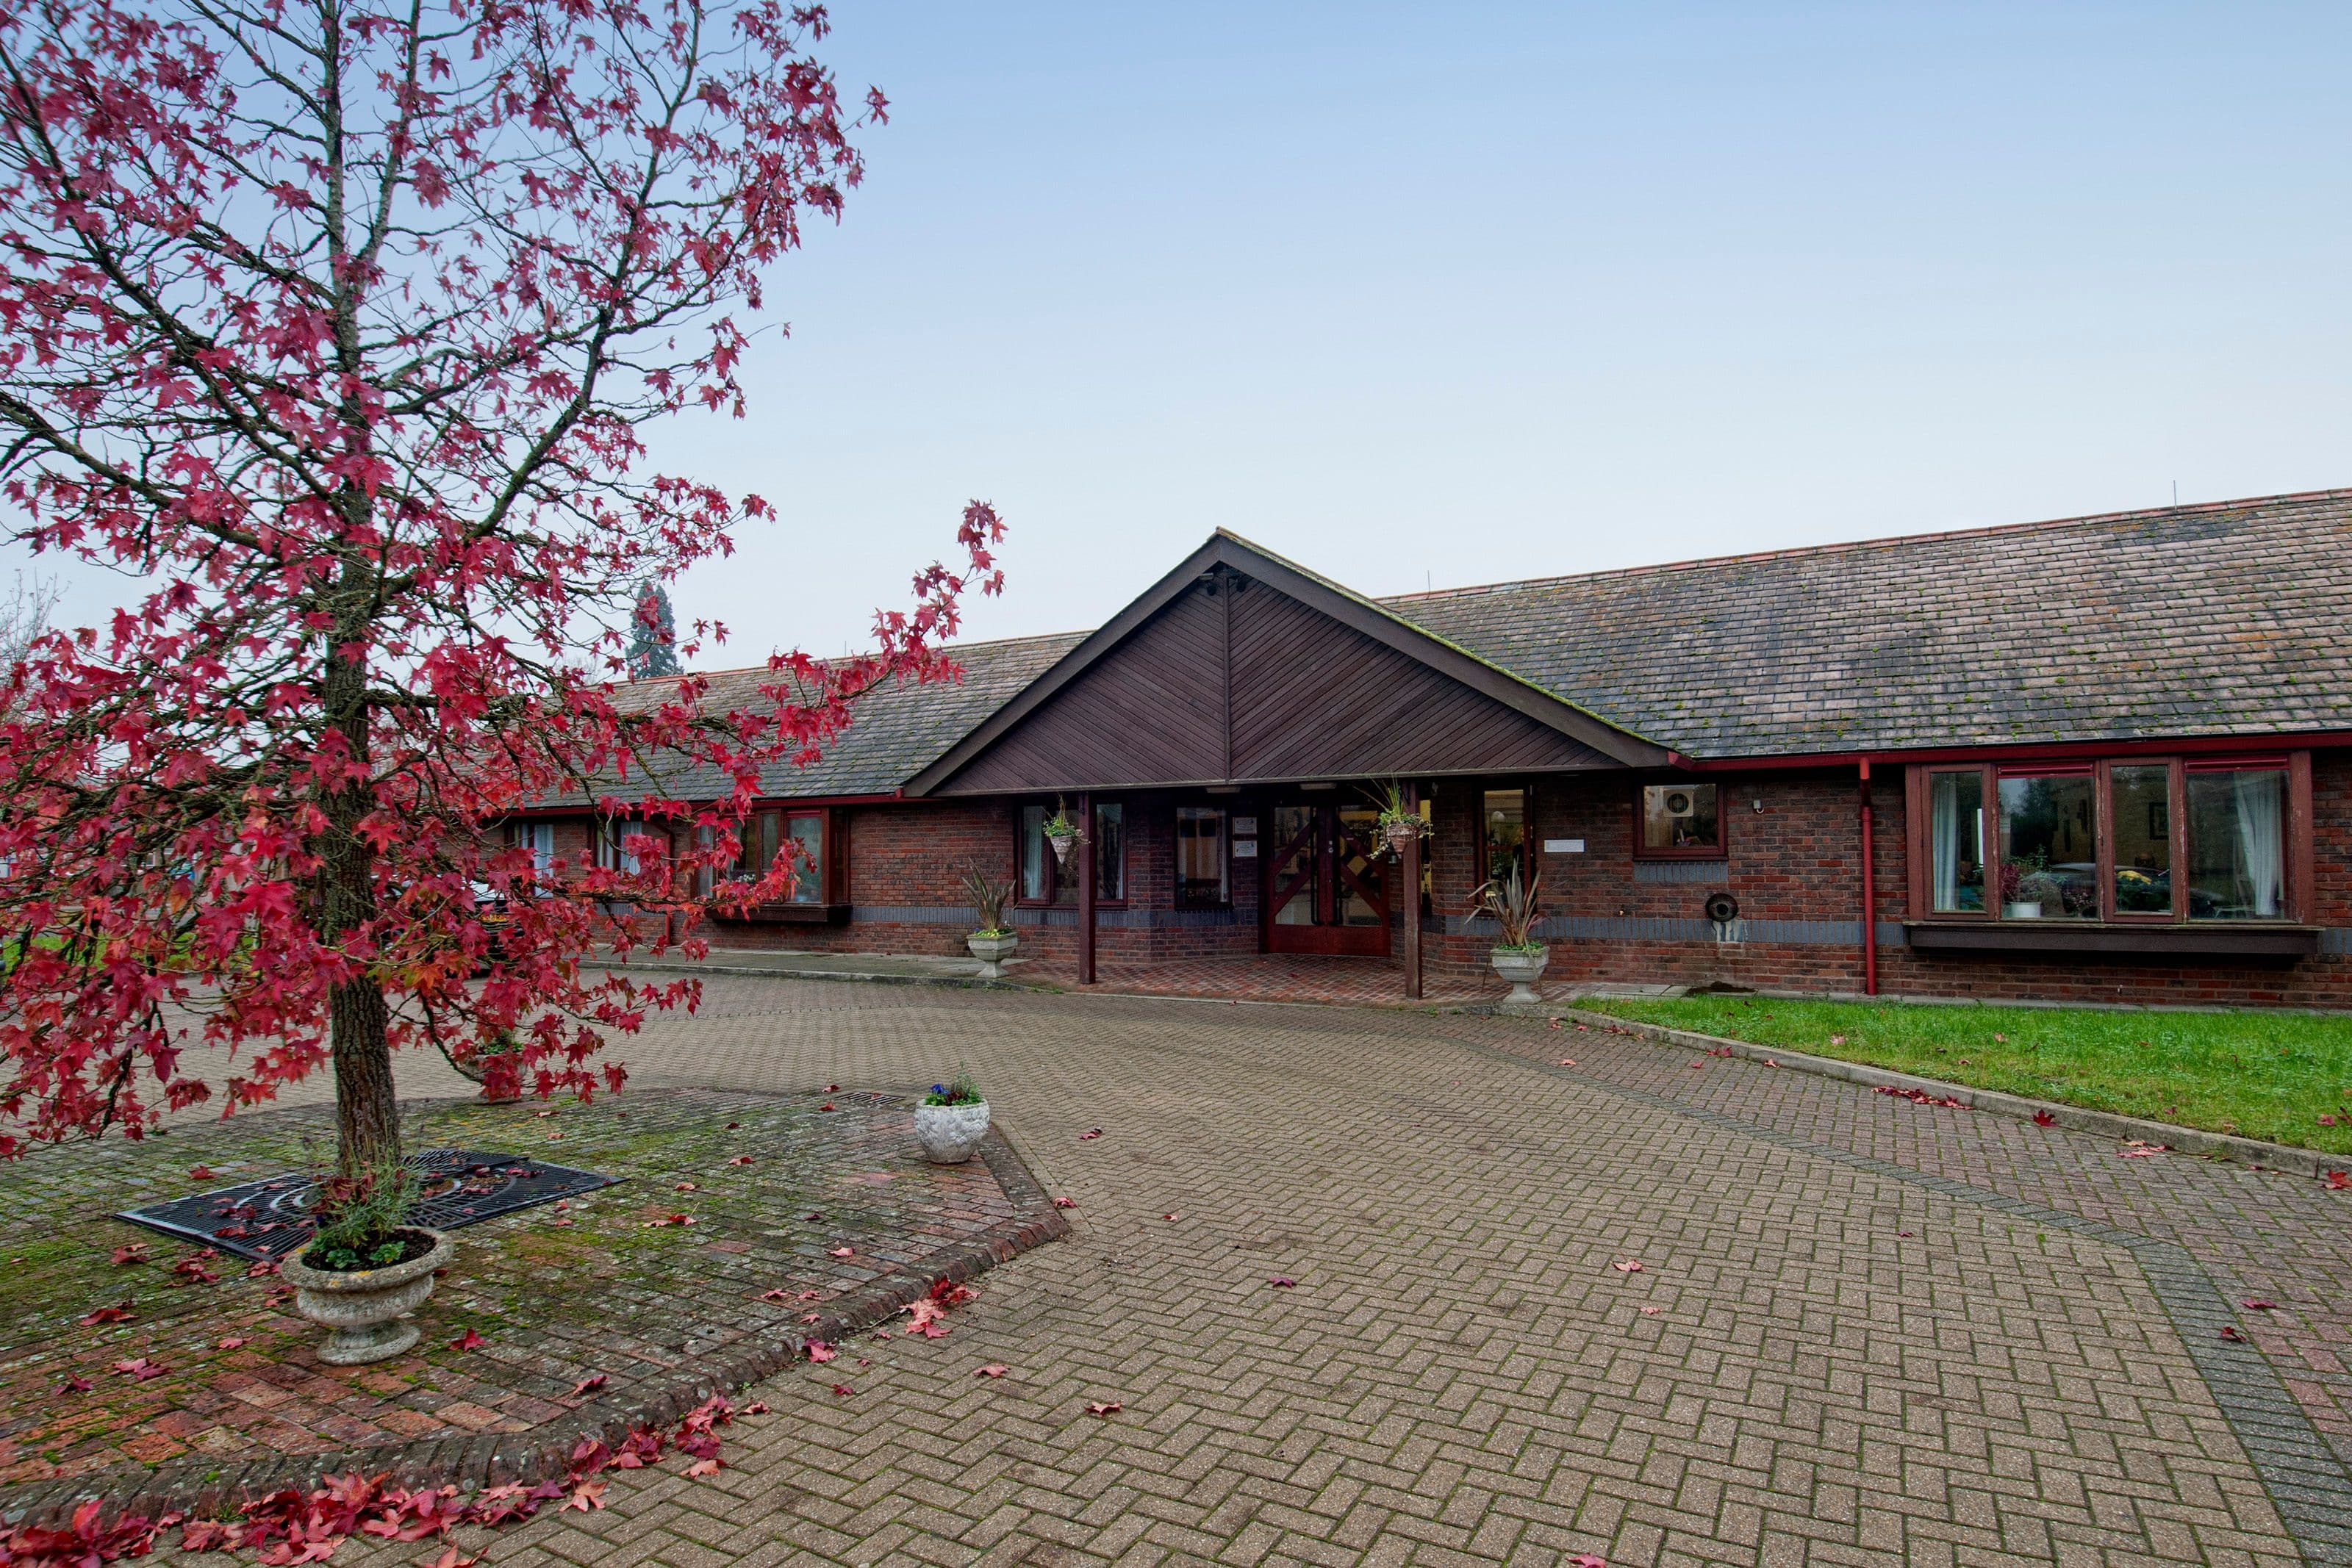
(1408, 898)
(1869, 892)
(1086, 890)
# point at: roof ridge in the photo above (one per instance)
(950, 647)
(1880, 541)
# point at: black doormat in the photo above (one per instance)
(269, 1219)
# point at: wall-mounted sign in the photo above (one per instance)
(1244, 827)
(1245, 849)
(1563, 846)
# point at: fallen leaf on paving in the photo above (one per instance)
(685, 1186)
(452, 1558)
(1627, 1265)
(994, 1369)
(587, 1495)
(1649, 1312)
(820, 1351)
(730, 1127)
(1167, 1216)
(589, 1385)
(1903, 1233)
(1567, 1062)
(1093, 1133)
(266, 1267)
(2258, 1304)
(826, 1106)
(1104, 1407)
(2044, 1119)
(200, 1173)
(1555, 1023)
(810, 1317)
(702, 1468)
(134, 1254)
(1586, 1559)
(843, 1390)
(740, 1160)
(1698, 1064)
(2230, 1333)
(552, 1137)
(812, 1217)
(114, 1315)
(778, 1294)
(757, 1408)
(1283, 1282)
(2337, 1181)
(191, 1269)
(75, 1383)
(2137, 1150)
(1065, 1203)
(812, 1295)
(234, 1342)
(470, 1340)
(841, 1252)
(1770, 1063)
(832, 1087)
(140, 1370)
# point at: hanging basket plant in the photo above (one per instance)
(1062, 832)
(1399, 826)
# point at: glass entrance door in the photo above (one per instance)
(1325, 891)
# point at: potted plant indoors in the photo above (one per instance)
(365, 1267)
(995, 940)
(1519, 957)
(1399, 826)
(1062, 832)
(952, 1120)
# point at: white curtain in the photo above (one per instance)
(2259, 840)
(1947, 822)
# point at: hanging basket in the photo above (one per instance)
(1062, 844)
(1402, 836)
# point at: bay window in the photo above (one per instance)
(2131, 840)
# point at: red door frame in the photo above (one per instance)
(1321, 840)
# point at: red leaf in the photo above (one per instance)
(1090, 1135)
(136, 1252)
(589, 1385)
(586, 1497)
(1283, 1282)
(75, 1383)
(1065, 1203)
(832, 1087)
(1586, 1559)
(232, 1343)
(470, 1340)
(1167, 1216)
(140, 1370)
(685, 1186)
(740, 1160)
(452, 1558)
(1104, 1407)
(116, 1313)
(778, 1294)
(2257, 1304)
(826, 1106)
(840, 1252)
(994, 1369)
(819, 1352)
(1649, 1312)
(2338, 1181)
(2230, 1333)
(200, 1173)
(1627, 1265)
(262, 1270)
(702, 1469)
(843, 1390)
(1567, 1062)
(2044, 1119)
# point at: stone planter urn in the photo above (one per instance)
(364, 1306)
(991, 949)
(950, 1134)
(1522, 966)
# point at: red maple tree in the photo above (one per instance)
(336, 325)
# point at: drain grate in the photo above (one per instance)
(267, 1220)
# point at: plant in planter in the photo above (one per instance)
(1515, 908)
(496, 1064)
(365, 1267)
(1399, 826)
(2027, 886)
(995, 940)
(1062, 832)
(952, 1120)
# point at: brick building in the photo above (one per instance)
(2102, 757)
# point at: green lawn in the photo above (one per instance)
(2262, 1075)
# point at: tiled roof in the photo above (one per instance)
(2189, 620)
(897, 729)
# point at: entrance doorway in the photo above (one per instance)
(1325, 891)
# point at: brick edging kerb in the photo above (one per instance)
(204, 1490)
(2105, 1123)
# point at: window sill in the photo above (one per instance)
(790, 915)
(2195, 939)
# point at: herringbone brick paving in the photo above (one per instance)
(1460, 1373)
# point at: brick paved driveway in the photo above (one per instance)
(1861, 1332)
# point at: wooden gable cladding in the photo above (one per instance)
(1233, 681)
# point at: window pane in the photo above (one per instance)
(1036, 856)
(1357, 872)
(1680, 817)
(1296, 866)
(1110, 850)
(2140, 800)
(1956, 826)
(1200, 856)
(808, 859)
(1507, 832)
(2237, 844)
(2049, 847)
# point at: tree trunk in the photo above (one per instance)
(367, 1108)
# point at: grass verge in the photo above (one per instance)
(2285, 1077)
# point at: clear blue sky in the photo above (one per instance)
(1449, 294)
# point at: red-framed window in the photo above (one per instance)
(1045, 880)
(1679, 819)
(2128, 839)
